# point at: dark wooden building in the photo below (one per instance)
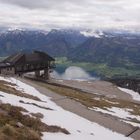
(21, 63)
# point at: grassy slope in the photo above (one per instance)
(31, 126)
(93, 100)
(100, 69)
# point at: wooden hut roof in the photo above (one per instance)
(34, 57)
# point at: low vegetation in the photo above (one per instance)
(99, 69)
(9, 88)
(93, 100)
(16, 126)
(35, 105)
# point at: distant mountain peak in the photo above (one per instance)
(92, 33)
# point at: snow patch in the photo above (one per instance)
(89, 33)
(134, 95)
(79, 127)
(120, 113)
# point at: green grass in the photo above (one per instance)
(101, 69)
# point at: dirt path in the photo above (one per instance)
(101, 87)
(105, 120)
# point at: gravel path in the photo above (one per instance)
(105, 120)
(101, 87)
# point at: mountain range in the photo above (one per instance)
(114, 48)
(56, 43)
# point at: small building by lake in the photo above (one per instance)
(21, 63)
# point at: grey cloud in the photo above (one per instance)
(33, 4)
(71, 13)
(27, 3)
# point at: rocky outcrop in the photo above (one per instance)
(130, 83)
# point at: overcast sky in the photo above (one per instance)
(89, 14)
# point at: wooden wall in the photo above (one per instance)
(8, 71)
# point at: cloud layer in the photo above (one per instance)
(91, 14)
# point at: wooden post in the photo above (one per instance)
(46, 74)
(37, 73)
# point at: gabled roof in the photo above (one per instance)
(43, 55)
(2, 65)
(34, 57)
(13, 58)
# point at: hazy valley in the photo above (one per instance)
(106, 53)
(69, 69)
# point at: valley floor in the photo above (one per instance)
(94, 123)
